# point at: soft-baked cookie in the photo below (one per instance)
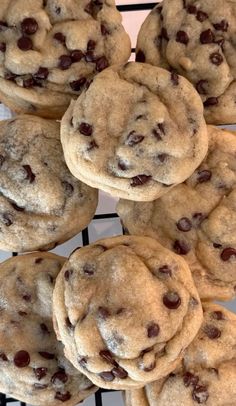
(136, 131)
(41, 203)
(208, 372)
(196, 38)
(33, 366)
(51, 49)
(197, 219)
(125, 308)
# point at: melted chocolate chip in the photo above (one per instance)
(201, 86)
(140, 180)
(171, 300)
(101, 63)
(103, 312)
(212, 332)
(216, 58)
(164, 272)
(86, 129)
(29, 174)
(68, 274)
(227, 253)
(46, 355)
(217, 315)
(89, 269)
(38, 260)
(140, 56)
(76, 55)
(174, 78)
(77, 85)
(200, 394)
(40, 372)
(192, 9)
(3, 356)
(223, 25)
(68, 187)
(25, 44)
(65, 62)
(107, 376)
(181, 247)
(59, 376)
(201, 16)
(212, 101)
(42, 73)
(190, 379)
(44, 328)
(21, 359)
(182, 37)
(184, 224)
(60, 37)
(107, 356)
(2, 47)
(63, 397)
(134, 139)
(27, 297)
(119, 372)
(153, 330)
(204, 176)
(104, 30)
(29, 26)
(207, 37)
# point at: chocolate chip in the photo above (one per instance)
(182, 37)
(107, 356)
(68, 274)
(107, 376)
(181, 247)
(164, 271)
(207, 37)
(201, 16)
(65, 62)
(162, 157)
(122, 165)
(60, 37)
(104, 30)
(29, 174)
(3, 26)
(3, 356)
(29, 26)
(174, 78)
(223, 25)
(85, 129)
(44, 328)
(227, 253)
(161, 127)
(40, 386)
(184, 224)
(156, 134)
(164, 34)
(103, 312)
(68, 187)
(25, 44)
(216, 58)
(10, 76)
(192, 9)
(46, 355)
(27, 297)
(83, 362)
(42, 73)
(28, 82)
(190, 379)
(89, 269)
(89, 8)
(150, 367)
(201, 86)
(22, 313)
(215, 245)
(63, 397)
(171, 300)
(91, 45)
(7, 219)
(92, 145)
(153, 330)
(212, 101)
(59, 376)
(40, 372)
(21, 359)
(2, 47)
(140, 180)
(212, 332)
(38, 260)
(58, 10)
(2, 159)
(17, 208)
(134, 139)
(90, 57)
(140, 56)
(119, 372)
(200, 394)
(204, 176)
(76, 55)
(101, 63)
(76, 85)
(217, 315)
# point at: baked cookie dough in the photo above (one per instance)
(131, 307)
(208, 372)
(197, 219)
(196, 38)
(41, 203)
(51, 49)
(136, 132)
(33, 366)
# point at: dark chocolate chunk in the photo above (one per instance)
(21, 359)
(182, 37)
(172, 300)
(140, 56)
(181, 247)
(25, 44)
(29, 26)
(153, 330)
(227, 253)
(40, 372)
(207, 37)
(184, 224)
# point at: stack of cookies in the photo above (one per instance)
(132, 312)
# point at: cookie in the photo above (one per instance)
(41, 203)
(33, 366)
(51, 49)
(208, 371)
(131, 307)
(197, 219)
(196, 38)
(137, 131)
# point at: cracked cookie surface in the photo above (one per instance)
(51, 50)
(41, 203)
(137, 131)
(131, 309)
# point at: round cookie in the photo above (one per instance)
(208, 372)
(197, 219)
(132, 309)
(137, 131)
(196, 38)
(51, 49)
(33, 366)
(41, 203)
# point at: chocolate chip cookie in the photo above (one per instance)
(208, 372)
(33, 366)
(125, 309)
(137, 131)
(197, 219)
(196, 38)
(41, 203)
(50, 50)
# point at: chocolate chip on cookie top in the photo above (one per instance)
(196, 39)
(136, 132)
(207, 374)
(197, 219)
(125, 308)
(33, 366)
(49, 51)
